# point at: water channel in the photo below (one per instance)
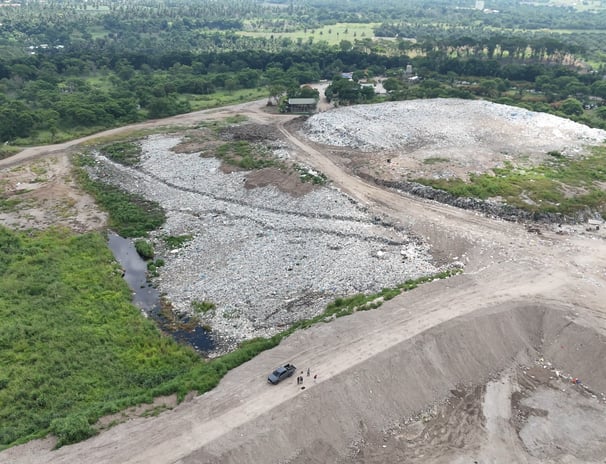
(147, 298)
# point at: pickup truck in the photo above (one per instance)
(281, 373)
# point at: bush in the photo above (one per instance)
(144, 248)
(176, 241)
(126, 153)
(71, 429)
(202, 306)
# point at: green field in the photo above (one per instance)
(332, 34)
(223, 98)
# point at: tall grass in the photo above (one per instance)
(130, 215)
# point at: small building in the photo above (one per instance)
(302, 105)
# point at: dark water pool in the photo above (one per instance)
(147, 298)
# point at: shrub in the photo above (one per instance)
(144, 248)
(202, 307)
(176, 241)
(126, 153)
(71, 429)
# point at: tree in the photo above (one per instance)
(601, 112)
(275, 92)
(598, 88)
(392, 84)
(572, 106)
(345, 45)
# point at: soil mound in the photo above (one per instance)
(442, 393)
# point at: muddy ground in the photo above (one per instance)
(476, 368)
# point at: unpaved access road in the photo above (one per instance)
(522, 295)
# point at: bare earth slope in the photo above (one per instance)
(473, 368)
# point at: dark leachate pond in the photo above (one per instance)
(147, 298)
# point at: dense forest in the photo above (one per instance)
(71, 67)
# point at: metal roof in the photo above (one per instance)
(301, 101)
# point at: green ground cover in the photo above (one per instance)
(246, 155)
(224, 97)
(130, 215)
(559, 185)
(72, 346)
(332, 34)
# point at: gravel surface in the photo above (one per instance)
(442, 124)
(265, 258)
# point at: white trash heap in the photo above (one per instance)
(265, 258)
(440, 123)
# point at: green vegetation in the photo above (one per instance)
(144, 248)
(152, 267)
(176, 241)
(361, 302)
(129, 215)
(202, 307)
(247, 156)
(435, 160)
(224, 98)
(7, 151)
(8, 205)
(333, 34)
(73, 348)
(126, 153)
(309, 175)
(559, 185)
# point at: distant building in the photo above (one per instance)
(302, 105)
(347, 75)
(480, 5)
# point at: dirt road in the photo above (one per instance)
(251, 108)
(522, 295)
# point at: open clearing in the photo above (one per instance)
(477, 367)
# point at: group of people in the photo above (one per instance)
(300, 377)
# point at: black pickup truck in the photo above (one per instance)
(281, 373)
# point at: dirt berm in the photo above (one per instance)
(455, 356)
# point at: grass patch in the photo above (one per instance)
(144, 248)
(72, 346)
(435, 160)
(7, 151)
(126, 153)
(224, 98)
(202, 307)
(333, 34)
(236, 119)
(543, 188)
(129, 215)
(153, 266)
(176, 241)
(246, 156)
(9, 205)
(309, 175)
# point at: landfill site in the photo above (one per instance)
(503, 362)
